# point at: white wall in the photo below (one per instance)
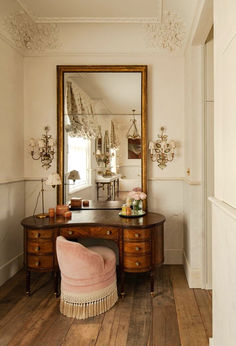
(12, 161)
(193, 222)
(224, 203)
(165, 107)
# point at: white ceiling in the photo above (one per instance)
(107, 10)
(91, 8)
(112, 93)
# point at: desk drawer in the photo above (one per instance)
(43, 262)
(137, 247)
(90, 232)
(40, 247)
(137, 234)
(137, 263)
(38, 234)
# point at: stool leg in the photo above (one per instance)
(56, 283)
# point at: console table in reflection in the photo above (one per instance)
(140, 240)
(112, 183)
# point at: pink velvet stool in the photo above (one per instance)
(88, 279)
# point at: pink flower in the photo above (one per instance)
(143, 195)
(131, 194)
(136, 196)
(137, 189)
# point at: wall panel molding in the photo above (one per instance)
(11, 180)
(186, 180)
(173, 256)
(193, 275)
(226, 208)
(7, 270)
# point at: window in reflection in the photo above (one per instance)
(78, 158)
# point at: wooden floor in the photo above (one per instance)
(176, 315)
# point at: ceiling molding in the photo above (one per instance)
(26, 9)
(111, 53)
(66, 20)
(110, 20)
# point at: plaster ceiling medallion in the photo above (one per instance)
(28, 35)
(168, 33)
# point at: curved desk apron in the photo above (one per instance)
(140, 240)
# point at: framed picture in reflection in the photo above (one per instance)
(134, 148)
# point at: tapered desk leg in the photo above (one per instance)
(118, 187)
(28, 283)
(122, 284)
(152, 283)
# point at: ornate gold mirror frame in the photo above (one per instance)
(61, 70)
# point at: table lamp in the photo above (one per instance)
(52, 180)
(74, 175)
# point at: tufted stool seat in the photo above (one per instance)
(88, 279)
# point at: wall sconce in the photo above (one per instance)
(43, 149)
(161, 151)
(102, 158)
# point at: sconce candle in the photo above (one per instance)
(43, 149)
(161, 151)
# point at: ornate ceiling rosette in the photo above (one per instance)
(169, 33)
(28, 35)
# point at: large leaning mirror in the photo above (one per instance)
(102, 117)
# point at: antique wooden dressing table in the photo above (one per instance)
(140, 240)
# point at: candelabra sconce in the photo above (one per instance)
(43, 149)
(102, 158)
(161, 151)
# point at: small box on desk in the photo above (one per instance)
(76, 202)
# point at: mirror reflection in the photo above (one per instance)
(102, 135)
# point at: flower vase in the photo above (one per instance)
(136, 206)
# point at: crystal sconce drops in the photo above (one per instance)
(161, 151)
(43, 149)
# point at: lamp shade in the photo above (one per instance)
(74, 175)
(53, 179)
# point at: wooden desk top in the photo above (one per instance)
(95, 218)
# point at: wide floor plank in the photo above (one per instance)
(165, 330)
(177, 315)
(204, 301)
(191, 328)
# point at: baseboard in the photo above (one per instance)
(10, 268)
(173, 256)
(193, 275)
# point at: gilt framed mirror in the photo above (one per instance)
(102, 124)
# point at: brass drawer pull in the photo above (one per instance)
(37, 264)
(70, 232)
(137, 264)
(137, 235)
(37, 248)
(137, 248)
(37, 235)
(108, 232)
